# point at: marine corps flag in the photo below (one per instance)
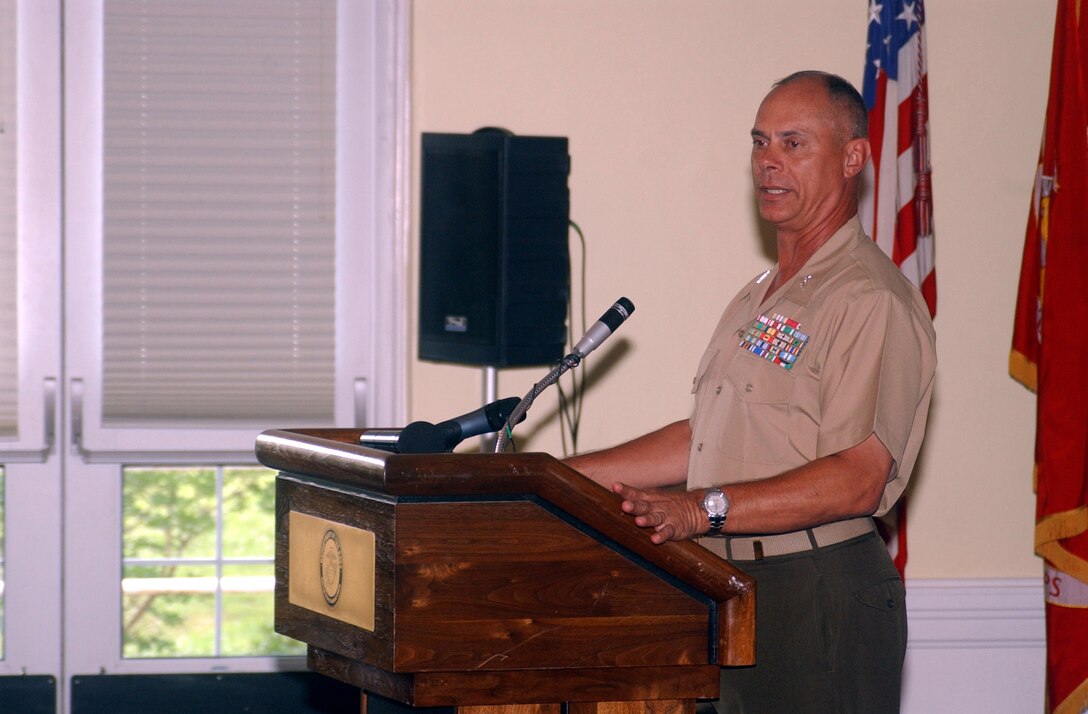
(1048, 347)
(896, 208)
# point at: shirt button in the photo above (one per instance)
(718, 390)
(699, 446)
(748, 387)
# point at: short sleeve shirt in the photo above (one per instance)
(844, 350)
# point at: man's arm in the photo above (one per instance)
(843, 485)
(657, 459)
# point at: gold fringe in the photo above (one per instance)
(1051, 530)
(1076, 702)
(1023, 370)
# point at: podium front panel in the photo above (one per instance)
(479, 584)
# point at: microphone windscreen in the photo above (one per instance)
(619, 312)
(498, 412)
(421, 437)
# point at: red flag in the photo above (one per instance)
(897, 208)
(1048, 347)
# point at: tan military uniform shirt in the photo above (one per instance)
(847, 350)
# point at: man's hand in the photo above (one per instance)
(673, 515)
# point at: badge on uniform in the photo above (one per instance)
(776, 339)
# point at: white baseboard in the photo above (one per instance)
(975, 646)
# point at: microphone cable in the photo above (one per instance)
(600, 331)
(570, 407)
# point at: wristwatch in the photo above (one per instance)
(716, 506)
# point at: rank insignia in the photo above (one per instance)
(776, 339)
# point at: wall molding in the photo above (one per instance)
(977, 613)
(975, 645)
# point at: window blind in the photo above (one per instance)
(219, 210)
(9, 328)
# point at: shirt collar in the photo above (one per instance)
(804, 284)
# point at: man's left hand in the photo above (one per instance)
(673, 515)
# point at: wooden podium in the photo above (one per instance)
(492, 582)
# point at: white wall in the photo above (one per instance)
(657, 98)
(975, 646)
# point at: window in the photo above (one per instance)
(219, 187)
(218, 292)
(233, 214)
(198, 574)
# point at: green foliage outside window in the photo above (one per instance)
(198, 546)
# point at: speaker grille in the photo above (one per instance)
(494, 256)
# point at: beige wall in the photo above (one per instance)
(657, 98)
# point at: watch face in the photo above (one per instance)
(714, 502)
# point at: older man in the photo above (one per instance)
(810, 406)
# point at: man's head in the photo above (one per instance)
(809, 147)
(843, 95)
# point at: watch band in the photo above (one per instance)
(716, 523)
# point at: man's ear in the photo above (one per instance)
(855, 155)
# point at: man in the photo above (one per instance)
(810, 405)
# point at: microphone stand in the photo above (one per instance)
(569, 362)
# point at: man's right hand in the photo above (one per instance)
(671, 515)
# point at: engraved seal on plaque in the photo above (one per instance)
(332, 567)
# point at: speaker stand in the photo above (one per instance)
(490, 379)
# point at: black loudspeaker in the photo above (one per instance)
(494, 277)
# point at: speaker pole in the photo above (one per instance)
(491, 387)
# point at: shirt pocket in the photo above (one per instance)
(760, 393)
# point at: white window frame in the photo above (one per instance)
(32, 462)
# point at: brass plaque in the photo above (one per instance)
(331, 569)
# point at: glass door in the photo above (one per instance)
(207, 241)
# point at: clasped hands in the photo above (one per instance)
(672, 515)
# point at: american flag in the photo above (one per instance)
(897, 205)
(897, 201)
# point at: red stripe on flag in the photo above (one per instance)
(906, 233)
(929, 290)
(876, 118)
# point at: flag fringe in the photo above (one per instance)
(1076, 702)
(1023, 370)
(1050, 531)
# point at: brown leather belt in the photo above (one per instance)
(768, 546)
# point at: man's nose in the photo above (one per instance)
(769, 160)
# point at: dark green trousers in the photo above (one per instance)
(831, 634)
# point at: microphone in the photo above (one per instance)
(422, 437)
(485, 420)
(600, 331)
(384, 439)
(595, 335)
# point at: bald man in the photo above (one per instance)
(810, 406)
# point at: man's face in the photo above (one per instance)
(799, 162)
